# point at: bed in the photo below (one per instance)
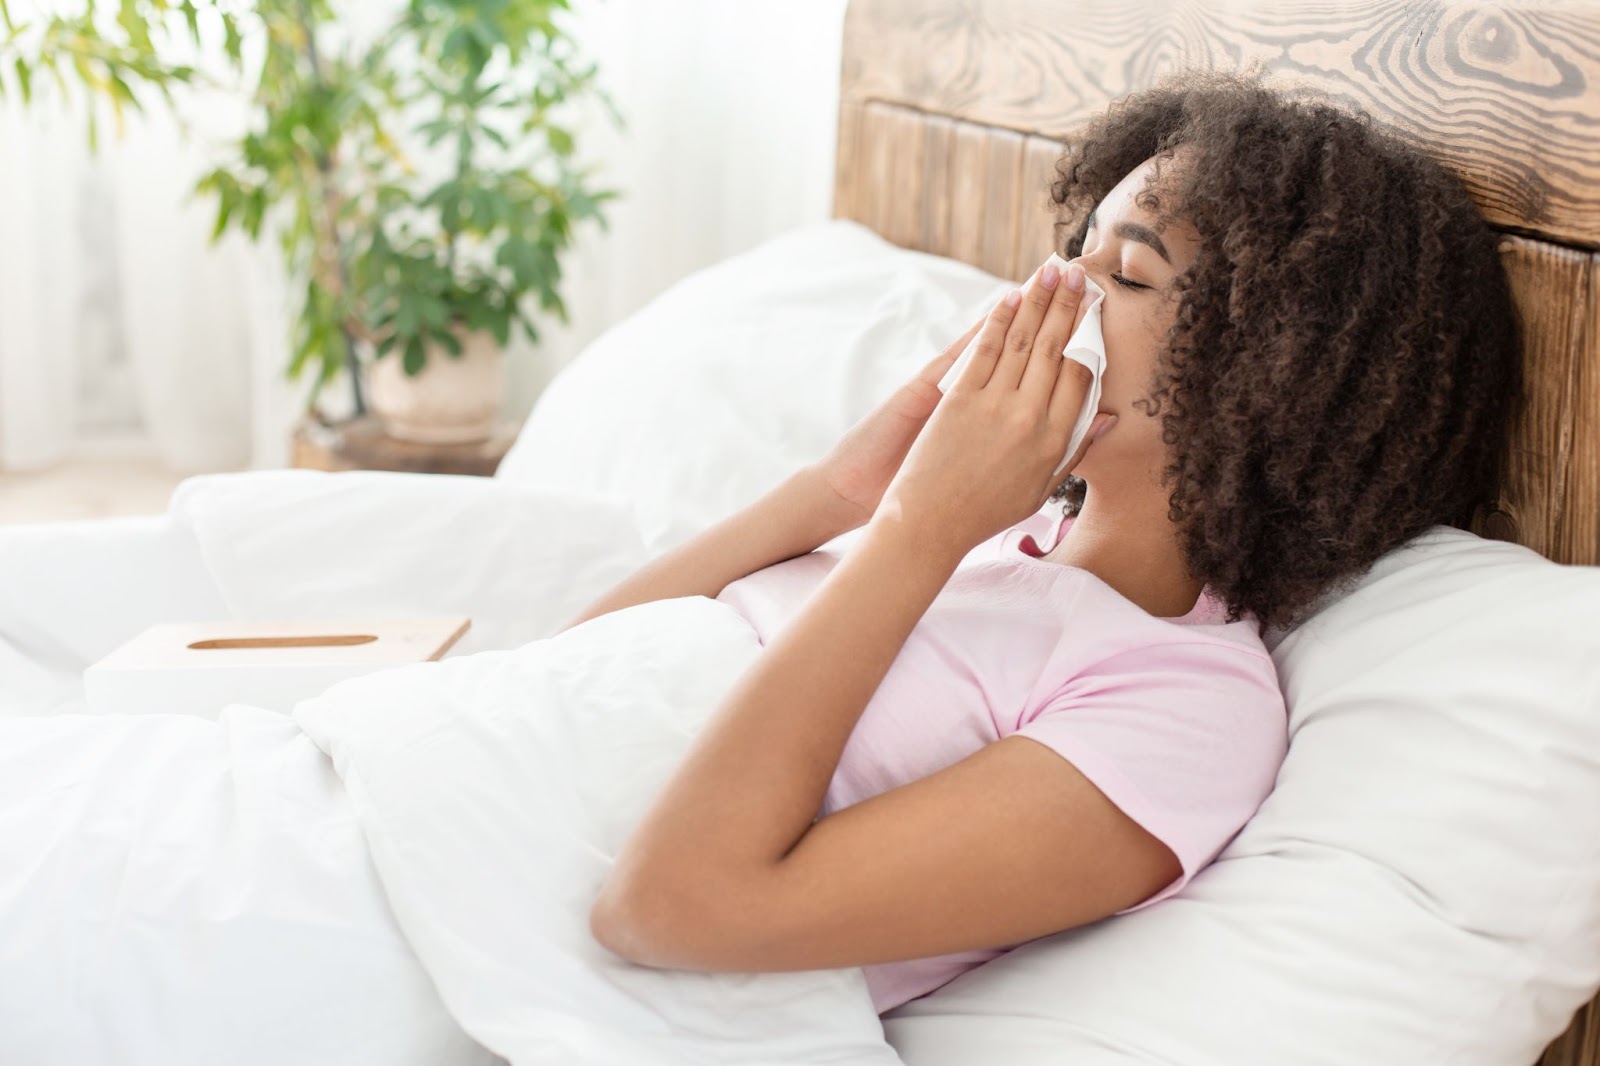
(949, 123)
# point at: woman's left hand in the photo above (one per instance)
(985, 459)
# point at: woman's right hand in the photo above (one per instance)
(860, 466)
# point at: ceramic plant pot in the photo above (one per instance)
(454, 400)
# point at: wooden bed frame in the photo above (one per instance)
(952, 112)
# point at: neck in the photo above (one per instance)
(1129, 543)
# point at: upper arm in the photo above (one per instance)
(1009, 844)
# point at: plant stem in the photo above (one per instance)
(330, 210)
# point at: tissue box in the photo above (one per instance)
(200, 667)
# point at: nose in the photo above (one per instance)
(1084, 264)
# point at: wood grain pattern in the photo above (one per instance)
(1581, 525)
(969, 169)
(1503, 92)
(1580, 1044)
(361, 444)
(1540, 505)
(1002, 206)
(1036, 235)
(937, 184)
(975, 96)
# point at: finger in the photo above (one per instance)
(941, 363)
(975, 375)
(1039, 377)
(1024, 328)
(1072, 385)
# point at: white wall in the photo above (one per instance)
(732, 109)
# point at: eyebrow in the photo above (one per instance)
(1135, 232)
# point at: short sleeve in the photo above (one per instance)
(1185, 738)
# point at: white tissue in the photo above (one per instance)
(1087, 345)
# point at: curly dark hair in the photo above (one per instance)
(1346, 360)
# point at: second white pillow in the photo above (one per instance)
(702, 400)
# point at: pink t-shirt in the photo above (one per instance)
(1179, 721)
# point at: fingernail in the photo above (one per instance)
(1075, 277)
(1014, 297)
(1050, 276)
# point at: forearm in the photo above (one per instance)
(797, 516)
(751, 786)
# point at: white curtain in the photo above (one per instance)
(117, 313)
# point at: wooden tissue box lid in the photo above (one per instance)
(372, 642)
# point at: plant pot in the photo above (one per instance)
(454, 400)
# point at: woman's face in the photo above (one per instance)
(1134, 255)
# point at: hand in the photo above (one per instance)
(860, 466)
(985, 459)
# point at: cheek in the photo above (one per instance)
(1130, 361)
(1133, 345)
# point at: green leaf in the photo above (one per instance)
(232, 41)
(225, 201)
(435, 130)
(434, 314)
(132, 22)
(24, 78)
(332, 363)
(414, 357)
(255, 209)
(405, 317)
(528, 328)
(122, 92)
(560, 140)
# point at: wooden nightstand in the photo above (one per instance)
(361, 444)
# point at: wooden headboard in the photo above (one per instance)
(952, 111)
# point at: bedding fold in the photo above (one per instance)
(495, 790)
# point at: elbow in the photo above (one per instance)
(642, 925)
(670, 923)
(606, 925)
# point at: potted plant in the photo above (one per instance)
(426, 186)
(422, 184)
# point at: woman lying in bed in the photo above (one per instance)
(974, 724)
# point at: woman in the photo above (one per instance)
(956, 739)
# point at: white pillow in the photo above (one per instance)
(1422, 886)
(496, 790)
(137, 571)
(708, 396)
(289, 544)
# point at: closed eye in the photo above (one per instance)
(1128, 283)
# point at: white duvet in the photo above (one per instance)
(182, 892)
(179, 890)
(176, 890)
(495, 791)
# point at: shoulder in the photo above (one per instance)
(1206, 697)
(1113, 631)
